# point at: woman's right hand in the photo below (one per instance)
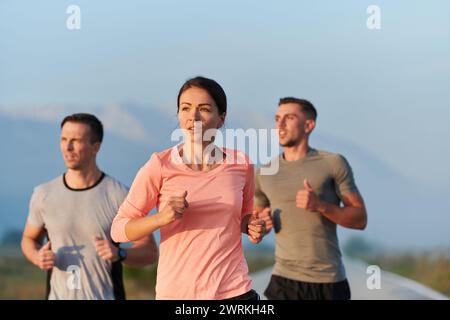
(173, 209)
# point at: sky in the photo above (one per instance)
(385, 90)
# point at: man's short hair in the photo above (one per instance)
(94, 124)
(305, 106)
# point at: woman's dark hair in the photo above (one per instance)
(94, 124)
(212, 87)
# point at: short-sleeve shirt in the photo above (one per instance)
(71, 218)
(307, 247)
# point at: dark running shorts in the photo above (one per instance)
(250, 295)
(280, 288)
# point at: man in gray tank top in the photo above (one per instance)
(301, 202)
(75, 212)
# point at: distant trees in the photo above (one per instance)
(11, 237)
(358, 247)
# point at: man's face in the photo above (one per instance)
(292, 125)
(76, 147)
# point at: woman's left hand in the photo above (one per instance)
(256, 228)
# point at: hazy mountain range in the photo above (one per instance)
(402, 212)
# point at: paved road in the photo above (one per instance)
(393, 287)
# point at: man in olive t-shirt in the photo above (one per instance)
(305, 196)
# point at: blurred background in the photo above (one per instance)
(382, 96)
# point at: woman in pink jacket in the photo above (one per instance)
(204, 200)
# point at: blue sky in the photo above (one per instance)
(386, 90)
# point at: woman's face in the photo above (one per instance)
(197, 106)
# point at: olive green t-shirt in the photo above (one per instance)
(307, 247)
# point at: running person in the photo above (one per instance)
(204, 199)
(75, 212)
(307, 191)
